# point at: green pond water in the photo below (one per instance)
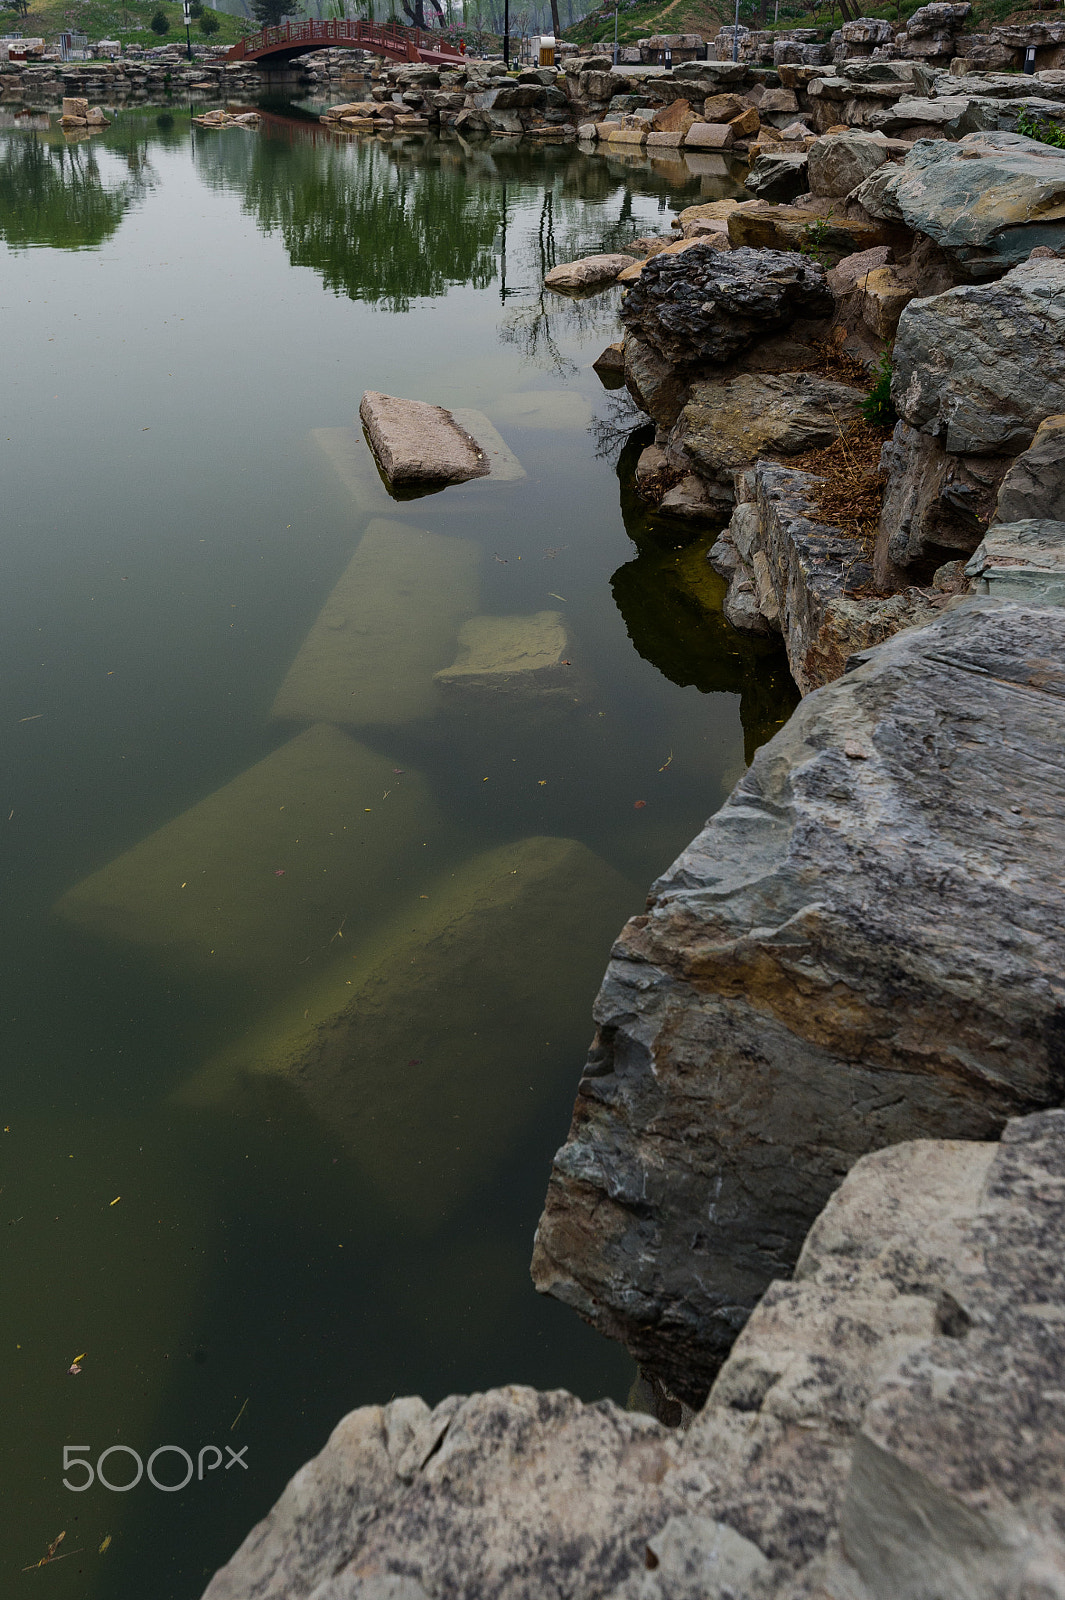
(235, 805)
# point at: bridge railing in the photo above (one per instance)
(391, 38)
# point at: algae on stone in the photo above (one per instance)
(389, 624)
(427, 1050)
(260, 874)
(512, 656)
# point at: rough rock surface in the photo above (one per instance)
(795, 227)
(1022, 561)
(988, 199)
(863, 945)
(728, 424)
(923, 1305)
(418, 443)
(707, 305)
(839, 162)
(964, 361)
(778, 176)
(936, 505)
(1034, 486)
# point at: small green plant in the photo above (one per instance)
(1039, 128)
(160, 23)
(209, 23)
(814, 237)
(877, 408)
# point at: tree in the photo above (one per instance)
(21, 8)
(209, 22)
(160, 23)
(268, 13)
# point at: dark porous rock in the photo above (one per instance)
(863, 946)
(707, 305)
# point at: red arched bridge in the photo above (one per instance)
(389, 39)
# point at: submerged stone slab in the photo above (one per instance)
(863, 946)
(417, 443)
(425, 1051)
(346, 452)
(387, 627)
(1022, 561)
(259, 874)
(512, 656)
(503, 464)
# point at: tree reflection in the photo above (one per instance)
(378, 224)
(55, 194)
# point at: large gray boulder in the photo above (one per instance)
(980, 366)
(707, 305)
(898, 1391)
(778, 177)
(988, 200)
(935, 508)
(839, 162)
(863, 946)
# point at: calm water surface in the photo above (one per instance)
(189, 319)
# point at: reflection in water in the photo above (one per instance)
(55, 194)
(671, 600)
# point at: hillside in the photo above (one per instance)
(125, 20)
(636, 18)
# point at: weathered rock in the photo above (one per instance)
(257, 876)
(592, 272)
(839, 162)
(885, 296)
(1034, 486)
(677, 117)
(964, 360)
(707, 305)
(921, 1302)
(676, 248)
(716, 211)
(729, 424)
(517, 657)
(393, 1046)
(936, 505)
(745, 123)
(655, 384)
(723, 107)
(778, 102)
(610, 365)
(1022, 561)
(987, 200)
(418, 443)
(778, 177)
(844, 276)
(862, 946)
(766, 227)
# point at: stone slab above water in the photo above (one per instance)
(388, 626)
(864, 945)
(425, 1050)
(258, 875)
(425, 446)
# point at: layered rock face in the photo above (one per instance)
(871, 1434)
(862, 946)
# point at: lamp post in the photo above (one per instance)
(188, 24)
(736, 34)
(506, 33)
(615, 32)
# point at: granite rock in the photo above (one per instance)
(1034, 486)
(936, 505)
(863, 946)
(839, 162)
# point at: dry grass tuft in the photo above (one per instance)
(852, 491)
